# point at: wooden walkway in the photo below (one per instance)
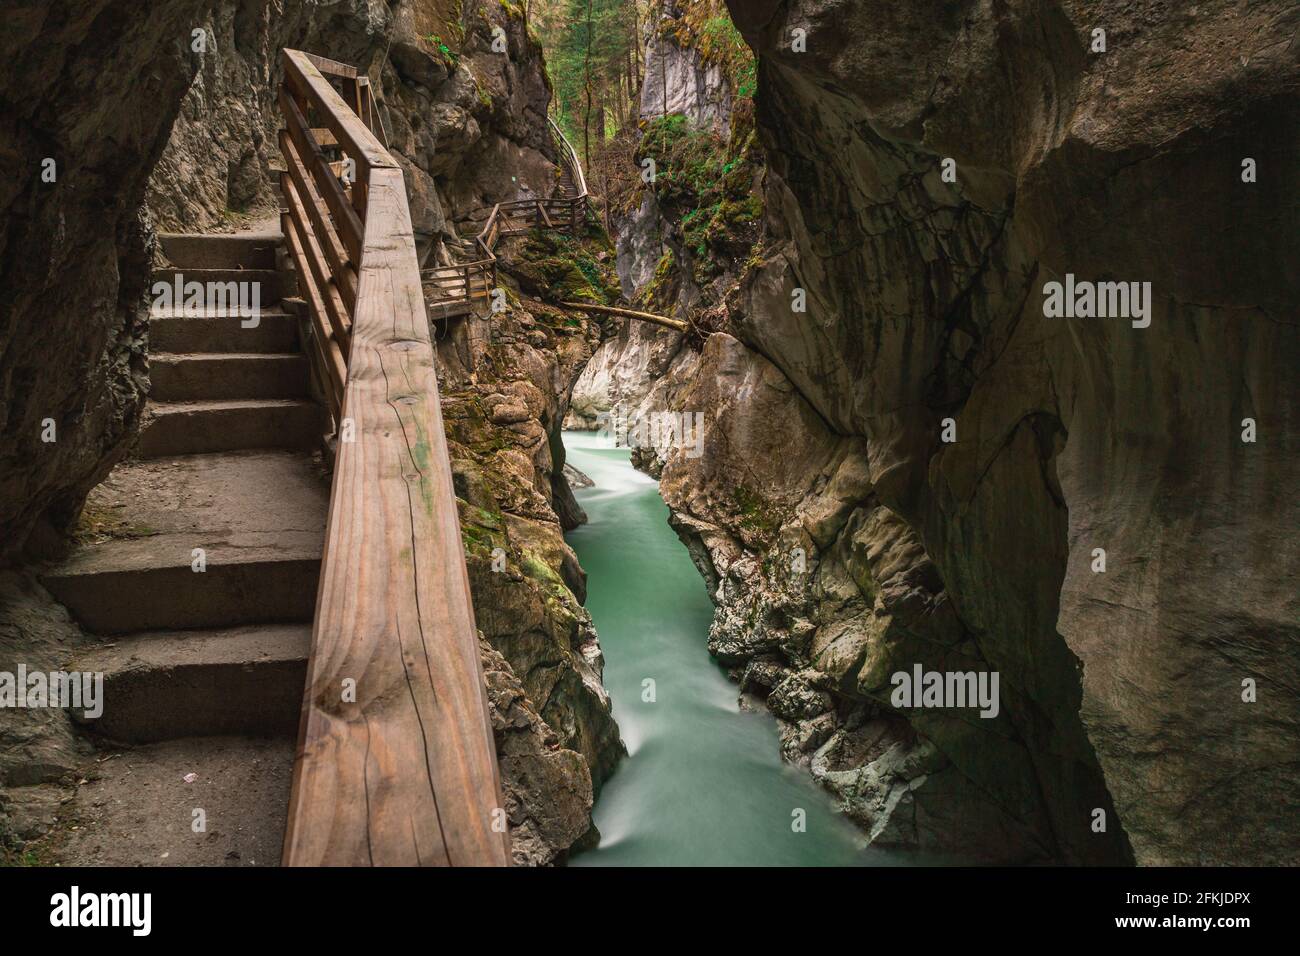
(396, 763)
(455, 289)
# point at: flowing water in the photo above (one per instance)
(703, 783)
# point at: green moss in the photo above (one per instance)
(661, 289)
(561, 268)
(754, 512)
(535, 567)
(707, 184)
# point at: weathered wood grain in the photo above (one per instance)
(341, 267)
(346, 221)
(396, 763)
(353, 136)
(325, 351)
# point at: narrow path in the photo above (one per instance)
(204, 670)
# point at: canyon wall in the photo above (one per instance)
(684, 240)
(908, 463)
(467, 123)
(88, 92)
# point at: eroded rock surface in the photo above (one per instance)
(1120, 691)
(88, 91)
(505, 381)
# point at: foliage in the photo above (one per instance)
(561, 268)
(449, 56)
(706, 184)
(593, 57)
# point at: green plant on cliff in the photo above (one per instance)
(449, 56)
(706, 184)
(557, 267)
(754, 514)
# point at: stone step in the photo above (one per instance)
(232, 286)
(150, 583)
(168, 684)
(194, 428)
(245, 250)
(227, 375)
(136, 806)
(275, 331)
(258, 516)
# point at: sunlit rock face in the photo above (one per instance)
(679, 80)
(1121, 690)
(624, 370)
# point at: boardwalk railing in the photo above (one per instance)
(460, 284)
(396, 762)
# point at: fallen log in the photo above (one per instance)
(629, 314)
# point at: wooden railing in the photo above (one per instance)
(465, 281)
(395, 762)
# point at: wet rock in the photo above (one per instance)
(1119, 690)
(547, 787)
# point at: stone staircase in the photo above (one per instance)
(566, 188)
(206, 667)
(218, 385)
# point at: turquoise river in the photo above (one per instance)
(703, 783)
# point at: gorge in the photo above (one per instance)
(881, 450)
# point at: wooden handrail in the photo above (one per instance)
(570, 156)
(396, 762)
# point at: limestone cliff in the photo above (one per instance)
(684, 239)
(919, 466)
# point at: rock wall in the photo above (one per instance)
(91, 87)
(664, 263)
(1121, 690)
(505, 382)
(679, 80)
(467, 123)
